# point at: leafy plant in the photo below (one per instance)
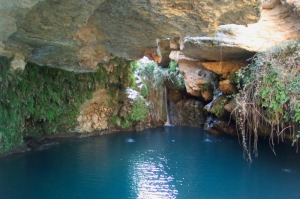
(43, 100)
(139, 110)
(174, 77)
(172, 66)
(270, 95)
(144, 91)
(218, 106)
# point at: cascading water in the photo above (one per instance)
(166, 104)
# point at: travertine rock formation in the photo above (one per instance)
(95, 113)
(78, 34)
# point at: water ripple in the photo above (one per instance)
(151, 180)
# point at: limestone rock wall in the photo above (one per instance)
(95, 113)
(77, 34)
(202, 57)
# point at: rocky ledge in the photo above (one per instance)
(77, 34)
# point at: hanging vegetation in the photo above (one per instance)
(43, 100)
(270, 96)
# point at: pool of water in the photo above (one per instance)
(168, 162)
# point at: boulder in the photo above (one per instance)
(188, 112)
(214, 49)
(230, 106)
(216, 126)
(216, 107)
(177, 55)
(224, 68)
(195, 76)
(227, 87)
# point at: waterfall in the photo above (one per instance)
(166, 104)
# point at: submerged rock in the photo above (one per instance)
(216, 126)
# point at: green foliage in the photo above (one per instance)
(174, 77)
(126, 124)
(234, 79)
(150, 72)
(144, 91)
(115, 120)
(148, 76)
(139, 110)
(134, 65)
(42, 100)
(133, 82)
(207, 86)
(119, 76)
(270, 92)
(218, 106)
(172, 66)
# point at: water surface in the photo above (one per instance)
(168, 162)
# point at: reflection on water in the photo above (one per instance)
(151, 179)
(129, 140)
(162, 163)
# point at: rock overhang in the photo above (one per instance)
(77, 34)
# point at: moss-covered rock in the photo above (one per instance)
(41, 100)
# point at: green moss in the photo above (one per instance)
(115, 120)
(133, 82)
(172, 66)
(144, 91)
(207, 86)
(42, 100)
(234, 79)
(218, 106)
(126, 124)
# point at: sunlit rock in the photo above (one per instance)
(195, 76)
(224, 68)
(95, 113)
(279, 22)
(76, 34)
(227, 87)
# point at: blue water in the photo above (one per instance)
(169, 162)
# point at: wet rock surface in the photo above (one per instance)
(188, 112)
